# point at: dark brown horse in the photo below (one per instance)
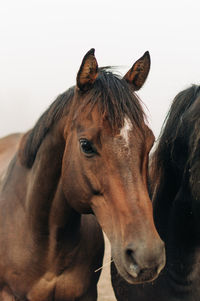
(175, 181)
(88, 153)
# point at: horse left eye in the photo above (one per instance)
(86, 147)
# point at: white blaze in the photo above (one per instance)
(125, 130)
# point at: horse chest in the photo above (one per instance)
(70, 285)
(78, 280)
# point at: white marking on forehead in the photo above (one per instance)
(126, 129)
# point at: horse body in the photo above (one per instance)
(72, 169)
(36, 263)
(174, 173)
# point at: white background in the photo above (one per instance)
(43, 42)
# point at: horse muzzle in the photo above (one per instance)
(140, 264)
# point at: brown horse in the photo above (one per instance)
(175, 178)
(84, 161)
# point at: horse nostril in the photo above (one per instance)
(133, 266)
(129, 253)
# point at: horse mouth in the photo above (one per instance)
(145, 275)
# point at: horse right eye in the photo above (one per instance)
(86, 147)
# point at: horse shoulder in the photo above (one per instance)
(79, 280)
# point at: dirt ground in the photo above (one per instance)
(105, 291)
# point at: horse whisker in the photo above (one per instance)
(104, 265)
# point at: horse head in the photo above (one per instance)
(104, 166)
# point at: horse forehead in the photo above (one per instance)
(144, 137)
(127, 127)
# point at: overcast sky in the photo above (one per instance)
(43, 42)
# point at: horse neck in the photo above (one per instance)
(174, 219)
(182, 242)
(64, 227)
(45, 201)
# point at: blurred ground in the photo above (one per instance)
(105, 291)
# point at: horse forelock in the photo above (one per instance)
(114, 97)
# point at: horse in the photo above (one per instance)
(81, 169)
(174, 181)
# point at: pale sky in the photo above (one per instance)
(42, 44)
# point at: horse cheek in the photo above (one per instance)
(76, 185)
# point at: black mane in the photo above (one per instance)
(173, 154)
(113, 95)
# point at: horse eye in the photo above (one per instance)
(86, 147)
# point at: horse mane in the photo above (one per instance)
(32, 140)
(113, 95)
(168, 159)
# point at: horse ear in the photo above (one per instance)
(88, 71)
(139, 71)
